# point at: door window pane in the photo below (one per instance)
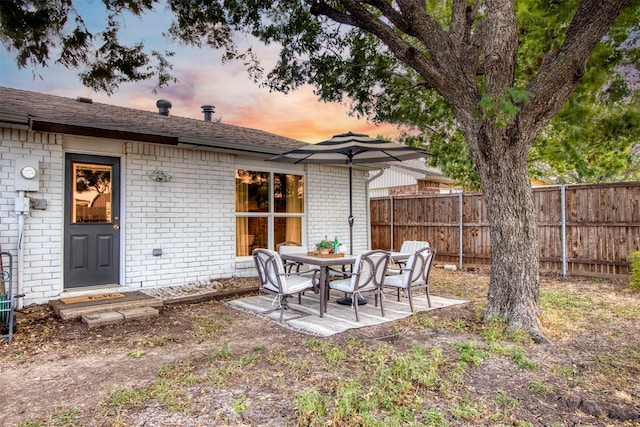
(91, 194)
(252, 191)
(288, 193)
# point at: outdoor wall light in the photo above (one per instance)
(159, 176)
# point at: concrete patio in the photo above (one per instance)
(338, 318)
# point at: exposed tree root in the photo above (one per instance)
(538, 337)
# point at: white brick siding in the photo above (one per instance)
(327, 192)
(191, 218)
(42, 238)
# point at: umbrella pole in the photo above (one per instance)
(348, 300)
(350, 209)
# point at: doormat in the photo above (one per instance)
(95, 297)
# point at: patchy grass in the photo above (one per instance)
(59, 418)
(580, 307)
(209, 328)
(440, 368)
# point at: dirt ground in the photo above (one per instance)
(60, 373)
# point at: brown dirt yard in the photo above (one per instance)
(207, 364)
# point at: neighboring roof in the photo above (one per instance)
(538, 183)
(49, 113)
(419, 170)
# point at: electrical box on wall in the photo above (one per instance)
(22, 205)
(27, 174)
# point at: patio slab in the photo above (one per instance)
(338, 318)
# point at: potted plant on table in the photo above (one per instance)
(324, 247)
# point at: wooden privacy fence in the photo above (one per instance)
(588, 230)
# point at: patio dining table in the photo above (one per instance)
(324, 264)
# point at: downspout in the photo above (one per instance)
(20, 282)
(380, 172)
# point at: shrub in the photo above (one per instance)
(634, 279)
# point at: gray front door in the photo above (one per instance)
(92, 221)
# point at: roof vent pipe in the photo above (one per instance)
(164, 106)
(208, 111)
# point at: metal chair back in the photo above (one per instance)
(369, 270)
(291, 247)
(414, 273)
(430, 255)
(411, 246)
(270, 270)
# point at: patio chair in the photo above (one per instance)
(291, 247)
(274, 280)
(367, 276)
(413, 245)
(410, 247)
(416, 273)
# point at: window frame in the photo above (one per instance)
(271, 214)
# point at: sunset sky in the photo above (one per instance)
(203, 79)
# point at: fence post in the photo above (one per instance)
(563, 228)
(391, 225)
(460, 230)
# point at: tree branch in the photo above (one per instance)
(423, 26)
(357, 16)
(393, 16)
(320, 8)
(460, 25)
(560, 71)
(474, 48)
(468, 44)
(500, 46)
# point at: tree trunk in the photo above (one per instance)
(514, 284)
(472, 64)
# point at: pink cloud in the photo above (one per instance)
(204, 80)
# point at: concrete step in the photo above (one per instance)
(120, 316)
(131, 300)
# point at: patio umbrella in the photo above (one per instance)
(351, 148)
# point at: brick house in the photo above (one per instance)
(411, 177)
(100, 197)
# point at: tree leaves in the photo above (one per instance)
(352, 66)
(504, 108)
(42, 29)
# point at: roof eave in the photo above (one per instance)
(46, 126)
(227, 146)
(220, 146)
(14, 120)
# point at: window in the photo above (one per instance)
(269, 209)
(91, 194)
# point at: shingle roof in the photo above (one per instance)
(65, 115)
(422, 170)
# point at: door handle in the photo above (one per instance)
(116, 227)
